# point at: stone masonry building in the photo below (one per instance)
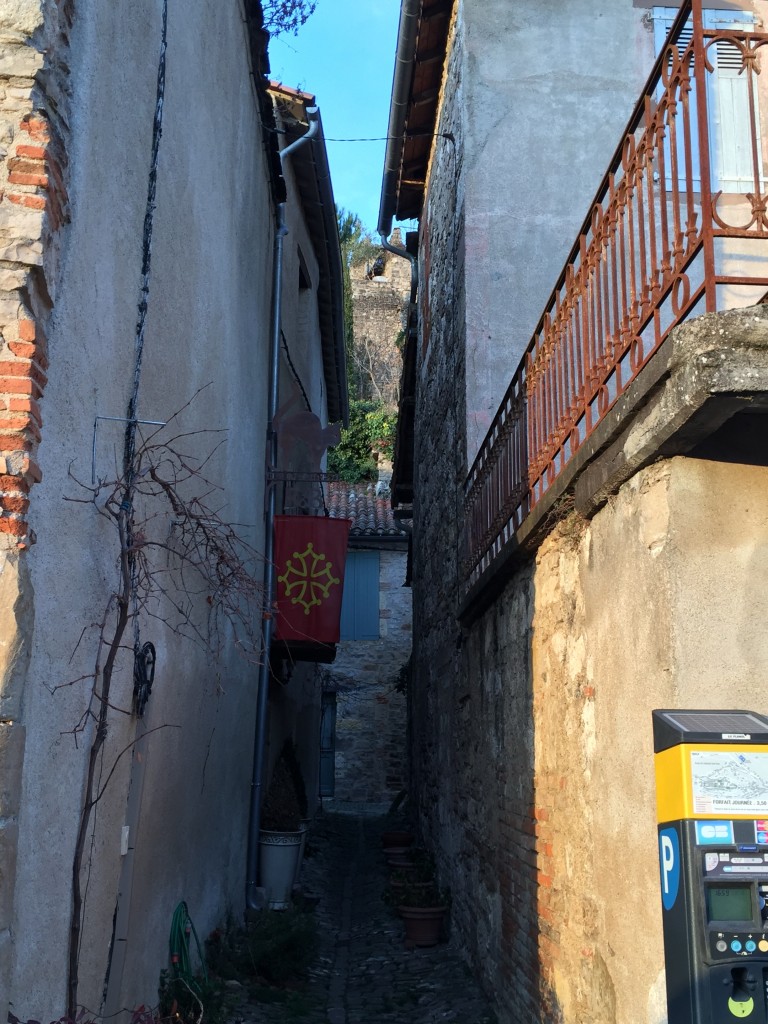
(365, 681)
(588, 453)
(380, 294)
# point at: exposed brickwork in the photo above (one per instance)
(33, 207)
(34, 107)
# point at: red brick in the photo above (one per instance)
(35, 127)
(20, 386)
(22, 166)
(16, 527)
(33, 152)
(27, 330)
(27, 405)
(547, 914)
(20, 423)
(15, 368)
(22, 178)
(14, 442)
(11, 503)
(539, 813)
(33, 202)
(11, 483)
(23, 349)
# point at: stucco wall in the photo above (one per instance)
(207, 328)
(548, 88)
(536, 774)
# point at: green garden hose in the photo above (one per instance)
(181, 965)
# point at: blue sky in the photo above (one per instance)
(345, 55)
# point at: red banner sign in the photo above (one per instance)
(310, 554)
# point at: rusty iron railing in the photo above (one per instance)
(669, 236)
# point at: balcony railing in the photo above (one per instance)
(678, 227)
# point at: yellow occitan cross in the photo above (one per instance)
(308, 581)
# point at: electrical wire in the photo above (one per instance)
(374, 138)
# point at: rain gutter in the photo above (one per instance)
(253, 902)
(407, 36)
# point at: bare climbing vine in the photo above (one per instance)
(180, 562)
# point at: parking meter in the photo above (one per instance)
(712, 813)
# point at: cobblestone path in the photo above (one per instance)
(364, 974)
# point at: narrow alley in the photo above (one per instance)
(363, 971)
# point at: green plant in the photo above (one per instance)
(420, 896)
(282, 945)
(276, 948)
(189, 1002)
(371, 429)
(422, 865)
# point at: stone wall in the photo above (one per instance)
(531, 742)
(536, 778)
(379, 305)
(371, 727)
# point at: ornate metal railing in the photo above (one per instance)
(678, 227)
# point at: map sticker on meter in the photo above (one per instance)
(728, 783)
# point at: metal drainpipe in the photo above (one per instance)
(252, 902)
(406, 256)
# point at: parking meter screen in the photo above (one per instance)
(729, 903)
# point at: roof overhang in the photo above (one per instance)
(313, 178)
(422, 44)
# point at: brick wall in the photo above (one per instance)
(33, 206)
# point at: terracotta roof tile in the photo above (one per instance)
(371, 515)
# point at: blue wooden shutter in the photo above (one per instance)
(360, 603)
(727, 102)
(728, 95)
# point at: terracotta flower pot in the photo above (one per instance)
(389, 839)
(397, 856)
(423, 925)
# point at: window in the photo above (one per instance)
(730, 132)
(360, 603)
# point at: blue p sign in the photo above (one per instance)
(669, 861)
